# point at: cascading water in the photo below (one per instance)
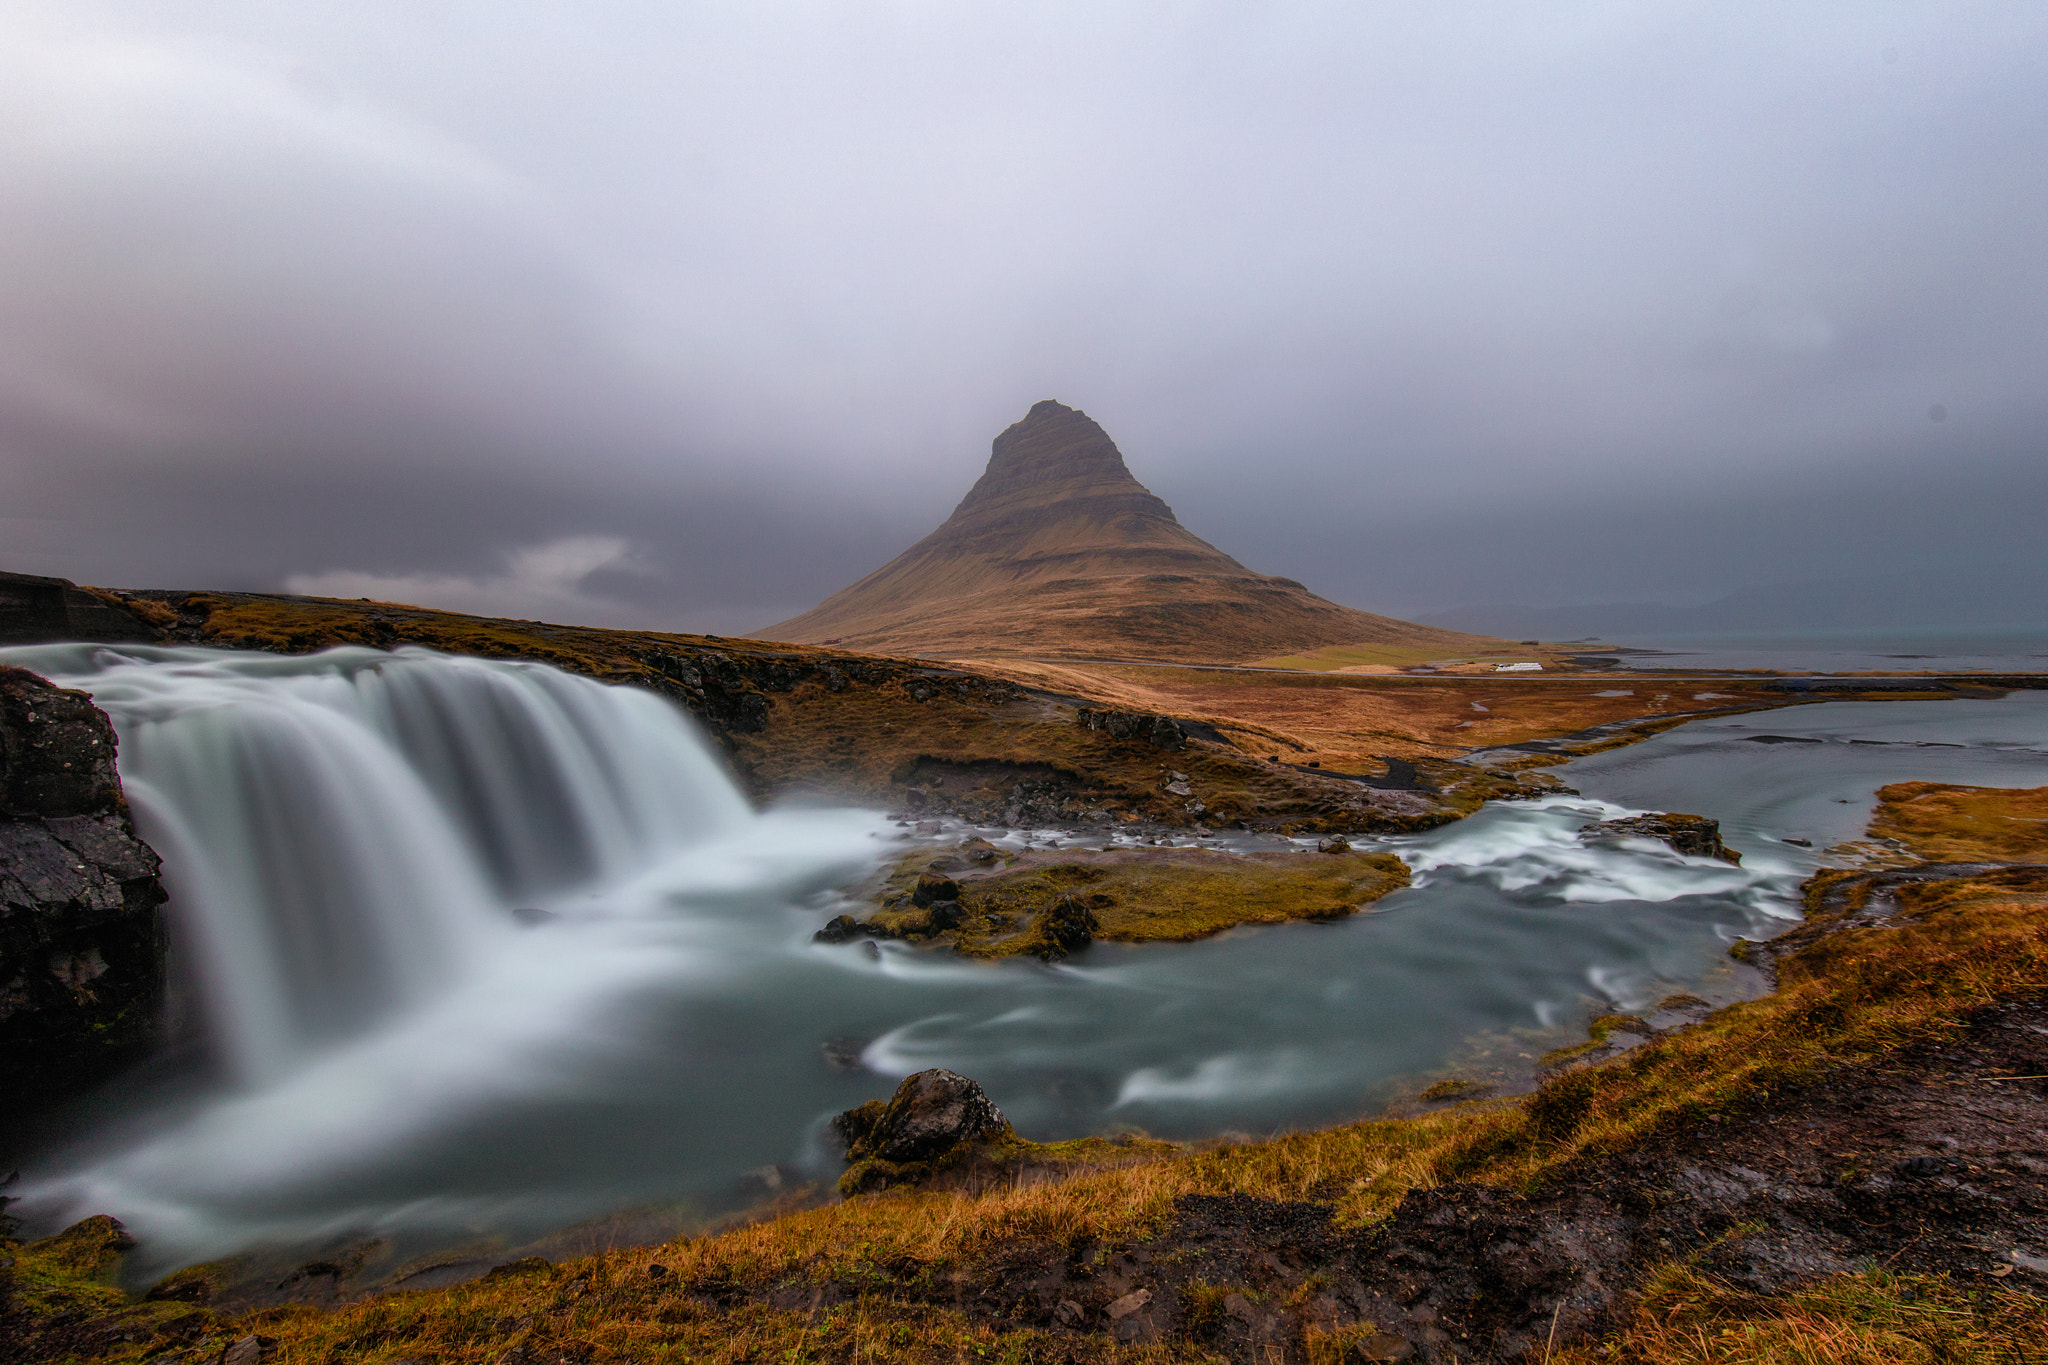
(348, 836)
(344, 835)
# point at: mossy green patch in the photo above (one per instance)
(1169, 895)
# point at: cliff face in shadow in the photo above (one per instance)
(1058, 551)
(82, 946)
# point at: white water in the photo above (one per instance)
(347, 836)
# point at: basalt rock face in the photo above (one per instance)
(81, 941)
(1057, 550)
(36, 610)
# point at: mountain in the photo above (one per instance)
(1058, 552)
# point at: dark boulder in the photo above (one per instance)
(1695, 836)
(82, 946)
(943, 915)
(934, 886)
(839, 929)
(934, 1118)
(1068, 927)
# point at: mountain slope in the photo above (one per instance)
(1058, 551)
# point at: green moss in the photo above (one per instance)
(1132, 895)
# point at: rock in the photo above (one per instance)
(249, 1350)
(979, 850)
(844, 1054)
(838, 929)
(1068, 927)
(934, 1119)
(35, 610)
(1067, 1313)
(1336, 845)
(1134, 726)
(934, 886)
(1129, 1304)
(82, 946)
(943, 915)
(1695, 836)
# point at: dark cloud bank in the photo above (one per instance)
(689, 315)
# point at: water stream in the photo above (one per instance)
(483, 948)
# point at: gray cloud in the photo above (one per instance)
(692, 315)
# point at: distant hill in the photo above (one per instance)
(1058, 552)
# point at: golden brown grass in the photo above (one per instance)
(1348, 722)
(1685, 1317)
(1952, 824)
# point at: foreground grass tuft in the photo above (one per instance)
(1688, 1318)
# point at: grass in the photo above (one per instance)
(1951, 824)
(1686, 1317)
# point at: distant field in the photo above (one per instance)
(1338, 657)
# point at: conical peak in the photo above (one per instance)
(1058, 548)
(1053, 443)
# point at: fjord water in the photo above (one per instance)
(350, 839)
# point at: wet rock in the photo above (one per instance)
(82, 947)
(1695, 836)
(1068, 927)
(943, 915)
(1335, 845)
(844, 1054)
(839, 929)
(934, 886)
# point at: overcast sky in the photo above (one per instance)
(686, 315)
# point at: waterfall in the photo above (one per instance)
(345, 835)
